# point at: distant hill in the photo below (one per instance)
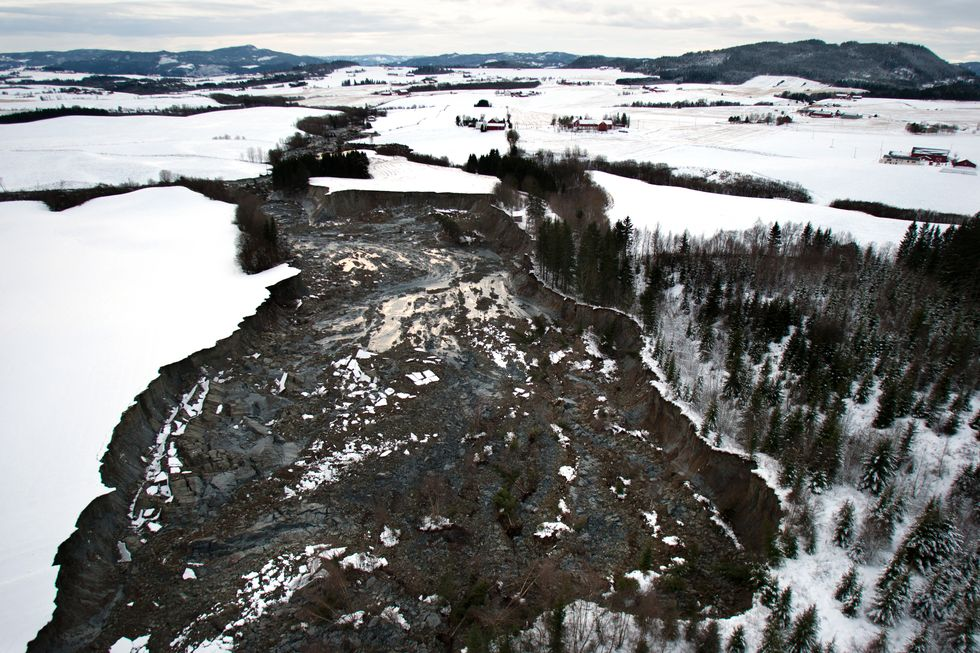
(896, 65)
(249, 59)
(878, 67)
(194, 63)
(371, 59)
(972, 66)
(495, 60)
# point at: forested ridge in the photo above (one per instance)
(853, 370)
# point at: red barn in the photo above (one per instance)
(930, 154)
(591, 125)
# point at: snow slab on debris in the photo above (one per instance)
(96, 299)
(80, 151)
(676, 210)
(397, 174)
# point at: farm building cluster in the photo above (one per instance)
(823, 112)
(932, 156)
(585, 124)
(483, 123)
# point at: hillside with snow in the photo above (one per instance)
(80, 151)
(98, 298)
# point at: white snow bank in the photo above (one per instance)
(397, 174)
(80, 151)
(551, 529)
(95, 299)
(367, 562)
(675, 210)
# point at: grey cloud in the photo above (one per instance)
(209, 20)
(617, 27)
(936, 13)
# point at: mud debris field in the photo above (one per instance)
(409, 454)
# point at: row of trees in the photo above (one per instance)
(661, 174)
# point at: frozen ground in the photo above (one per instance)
(395, 173)
(833, 158)
(96, 299)
(80, 151)
(16, 97)
(675, 210)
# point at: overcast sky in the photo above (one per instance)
(951, 28)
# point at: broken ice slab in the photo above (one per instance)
(423, 378)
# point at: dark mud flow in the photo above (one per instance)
(413, 447)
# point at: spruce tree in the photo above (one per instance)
(773, 443)
(849, 592)
(880, 524)
(710, 418)
(887, 403)
(775, 238)
(709, 639)
(863, 391)
(953, 421)
(535, 211)
(788, 544)
(879, 467)
(932, 540)
(844, 525)
(936, 600)
(803, 638)
(962, 631)
(879, 644)
(566, 256)
(736, 641)
(905, 445)
(826, 452)
(938, 396)
(737, 378)
(772, 638)
(908, 242)
(782, 611)
(891, 593)
(920, 643)
(765, 586)
(808, 531)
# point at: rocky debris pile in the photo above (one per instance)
(409, 457)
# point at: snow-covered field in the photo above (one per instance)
(96, 299)
(79, 151)
(833, 158)
(100, 296)
(395, 173)
(14, 98)
(675, 210)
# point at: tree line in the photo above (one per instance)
(294, 172)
